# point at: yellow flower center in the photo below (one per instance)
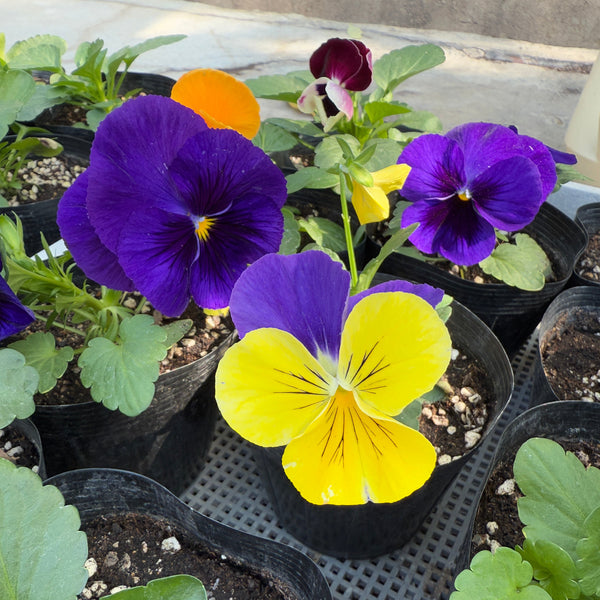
(344, 399)
(203, 227)
(464, 196)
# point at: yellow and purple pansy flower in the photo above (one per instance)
(324, 373)
(338, 65)
(171, 207)
(463, 185)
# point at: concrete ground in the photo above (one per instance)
(533, 86)
(555, 22)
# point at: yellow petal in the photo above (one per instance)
(348, 457)
(222, 100)
(269, 388)
(391, 178)
(370, 203)
(394, 348)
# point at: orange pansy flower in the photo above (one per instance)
(221, 100)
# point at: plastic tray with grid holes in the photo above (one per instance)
(229, 490)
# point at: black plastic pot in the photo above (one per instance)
(511, 313)
(97, 492)
(369, 530)
(569, 420)
(588, 218)
(169, 441)
(568, 301)
(40, 217)
(27, 429)
(149, 83)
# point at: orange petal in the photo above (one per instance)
(222, 100)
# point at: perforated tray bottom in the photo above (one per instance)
(229, 490)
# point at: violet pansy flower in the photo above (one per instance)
(338, 65)
(324, 373)
(463, 185)
(14, 317)
(171, 208)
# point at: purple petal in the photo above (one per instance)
(91, 255)
(429, 293)
(451, 228)
(508, 194)
(304, 294)
(132, 148)
(218, 166)
(436, 168)
(14, 317)
(251, 228)
(157, 250)
(542, 157)
(564, 158)
(348, 62)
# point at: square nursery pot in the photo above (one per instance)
(567, 358)
(54, 120)
(40, 217)
(511, 313)
(568, 421)
(169, 441)
(23, 434)
(587, 267)
(371, 529)
(104, 492)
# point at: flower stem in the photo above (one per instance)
(347, 230)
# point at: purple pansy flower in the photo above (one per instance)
(14, 317)
(171, 208)
(477, 177)
(565, 158)
(337, 65)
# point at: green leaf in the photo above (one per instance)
(42, 551)
(523, 264)
(301, 127)
(122, 375)
(333, 255)
(386, 153)
(16, 90)
(396, 66)
(552, 567)
(175, 587)
(499, 576)
(280, 87)
(43, 97)
(419, 120)
(271, 138)
(377, 111)
(310, 178)
(324, 232)
(18, 384)
(290, 241)
(41, 52)
(41, 353)
(329, 153)
(129, 53)
(588, 550)
(444, 308)
(394, 242)
(176, 330)
(559, 493)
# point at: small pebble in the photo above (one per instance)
(471, 438)
(451, 430)
(506, 488)
(170, 544)
(444, 459)
(494, 545)
(112, 558)
(92, 566)
(118, 588)
(492, 527)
